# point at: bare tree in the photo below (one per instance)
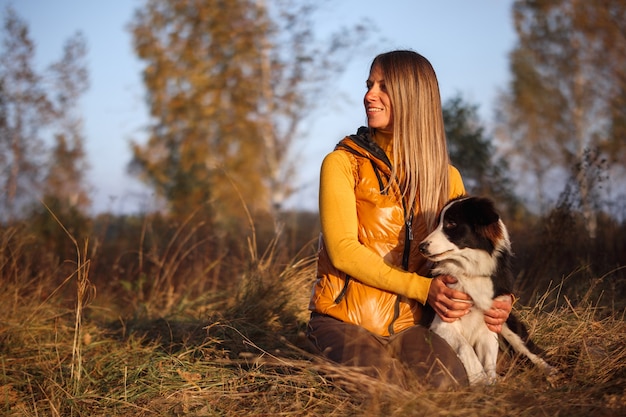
(35, 109)
(25, 111)
(295, 68)
(65, 180)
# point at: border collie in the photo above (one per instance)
(472, 245)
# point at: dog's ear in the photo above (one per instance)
(484, 211)
(487, 219)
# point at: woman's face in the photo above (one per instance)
(377, 102)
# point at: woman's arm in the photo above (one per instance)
(340, 232)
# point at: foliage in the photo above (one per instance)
(556, 252)
(228, 85)
(200, 77)
(566, 97)
(33, 107)
(473, 153)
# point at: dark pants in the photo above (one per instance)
(413, 356)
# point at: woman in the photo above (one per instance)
(380, 192)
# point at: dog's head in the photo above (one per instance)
(469, 232)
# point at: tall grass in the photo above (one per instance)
(83, 290)
(239, 350)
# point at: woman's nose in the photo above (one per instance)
(371, 94)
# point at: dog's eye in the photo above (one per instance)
(449, 224)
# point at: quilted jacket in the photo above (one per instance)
(384, 228)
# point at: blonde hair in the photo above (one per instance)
(420, 153)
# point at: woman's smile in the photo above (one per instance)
(377, 102)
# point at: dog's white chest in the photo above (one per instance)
(479, 288)
(471, 327)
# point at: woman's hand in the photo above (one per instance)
(449, 304)
(500, 309)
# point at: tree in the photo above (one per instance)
(473, 153)
(228, 83)
(68, 163)
(25, 111)
(295, 71)
(33, 107)
(566, 99)
(201, 94)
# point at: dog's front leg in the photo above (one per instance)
(451, 333)
(487, 351)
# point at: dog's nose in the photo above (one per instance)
(424, 247)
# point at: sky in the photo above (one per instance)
(467, 42)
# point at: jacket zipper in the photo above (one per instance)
(408, 237)
(371, 146)
(343, 290)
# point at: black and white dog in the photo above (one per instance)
(472, 245)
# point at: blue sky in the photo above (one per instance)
(467, 41)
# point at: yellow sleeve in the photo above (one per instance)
(456, 182)
(339, 225)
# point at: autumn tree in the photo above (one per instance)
(564, 111)
(228, 84)
(36, 109)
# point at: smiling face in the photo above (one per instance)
(377, 102)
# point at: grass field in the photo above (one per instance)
(69, 349)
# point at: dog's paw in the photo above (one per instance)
(479, 378)
(554, 377)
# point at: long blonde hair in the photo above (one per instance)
(420, 153)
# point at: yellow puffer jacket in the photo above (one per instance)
(382, 227)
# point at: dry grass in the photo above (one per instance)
(242, 354)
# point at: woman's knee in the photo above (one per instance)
(428, 358)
